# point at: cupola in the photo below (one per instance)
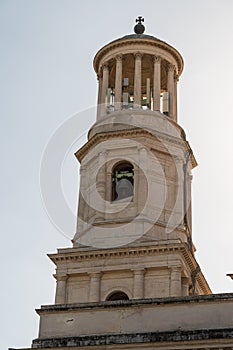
(138, 71)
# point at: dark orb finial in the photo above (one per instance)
(139, 28)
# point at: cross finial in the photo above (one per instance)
(139, 27)
(140, 19)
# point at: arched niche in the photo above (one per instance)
(117, 295)
(122, 181)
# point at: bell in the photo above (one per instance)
(124, 189)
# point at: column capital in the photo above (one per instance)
(185, 279)
(105, 66)
(62, 277)
(119, 57)
(156, 59)
(175, 268)
(138, 55)
(171, 68)
(95, 274)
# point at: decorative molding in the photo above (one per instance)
(176, 78)
(137, 252)
(100, 137)
(156, 43)
(210, 298)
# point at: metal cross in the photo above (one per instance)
(140, 19)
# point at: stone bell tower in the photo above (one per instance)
(134, 234)
(131, 276)
(134, 231)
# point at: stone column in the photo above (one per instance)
(118, 83)
(157, 83)
(94, 290)
(138, 283)
(99, 96)
(137, 80)
(176, 79)
(175, 282)
(170, 89)
(60, 297)
(104, 88)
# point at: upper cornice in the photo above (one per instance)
(135, 39)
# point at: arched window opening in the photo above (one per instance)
(122, 181)
(117, 296)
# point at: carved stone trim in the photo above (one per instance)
(147, 42)
(97, 138)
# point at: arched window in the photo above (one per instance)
(117, 296)
(122, 181)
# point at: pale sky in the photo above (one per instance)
(47, 48)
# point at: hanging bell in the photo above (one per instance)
(124, 189)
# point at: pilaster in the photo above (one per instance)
(94, 289)
(175, 281)
(138, 283)
(60, 297)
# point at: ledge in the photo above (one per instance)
(137, 302)
(155, 337)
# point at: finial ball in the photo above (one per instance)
(139, 27)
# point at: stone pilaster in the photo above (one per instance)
(60, 297)
(137, 80)
(101, 186)
(94, 289)
(156, 83)
(175, 282)
(138, 283)
(185, 286)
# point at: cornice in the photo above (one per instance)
(210, 298)
(147, 41)
(80, 256)
(129, 133)
(111, 253)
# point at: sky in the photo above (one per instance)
(47, 49)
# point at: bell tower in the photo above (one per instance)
(134, 230)
(131, 279)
